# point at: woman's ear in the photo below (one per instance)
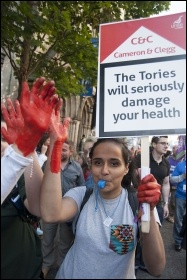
(127, 168)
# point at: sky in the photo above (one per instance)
(175, 7)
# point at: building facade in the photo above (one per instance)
(79, 108)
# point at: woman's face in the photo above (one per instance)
(4, 144)
(108, 164)
(47, 142)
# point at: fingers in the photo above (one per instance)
(6, 135)
(54, 101)
(151, 200)
(149, 186)
(4, 112)
(148, 178)
(66, 122)
(8, 112)
(58, 106)
(48, 90)
(17, 108)
(148, 193)
(37, 85)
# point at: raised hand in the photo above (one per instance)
(58, 134)
(39, 101)
(14, 121)
(36, 106)
(57, 129)
(149, 191)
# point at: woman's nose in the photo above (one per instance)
(105, 169)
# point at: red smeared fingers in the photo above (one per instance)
(66, 122)
(149, 186)
(50, 94)
(148, 193)
(4, 112)
(48, 90)
(17, 108)
(6, 136)
(58, 107)
(37, 85)
(151, 200)
(148, 178)
(10, 108)
(54, 101)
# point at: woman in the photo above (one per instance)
(42, 149)
(106, 231)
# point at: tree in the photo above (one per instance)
(53, 38)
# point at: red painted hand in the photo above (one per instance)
(58, 134)
(149, 191)
(39, 102)
(36, 107)
(14, 121)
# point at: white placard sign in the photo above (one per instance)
(142, 77)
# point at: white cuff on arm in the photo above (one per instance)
(12, 167)
(41, 159)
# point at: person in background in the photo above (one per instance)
(160, 169)
(179, 177)
(183, 233)
(71, 176)
(88, 144)
(21, 128)
(42, 148)
(81, 145)
(173, 162)
(42, 151)
(132, 152)
(101, 250)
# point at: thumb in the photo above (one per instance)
(66, 122)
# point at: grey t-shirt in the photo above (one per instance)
(101, 252)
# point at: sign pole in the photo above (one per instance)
(145, 170)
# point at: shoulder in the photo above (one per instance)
(166, 161)
(137, 160)
(75, 164)
(76, 194)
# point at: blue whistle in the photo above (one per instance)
(101, 184)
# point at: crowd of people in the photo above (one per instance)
(43, 180)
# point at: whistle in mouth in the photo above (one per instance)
(101, 184)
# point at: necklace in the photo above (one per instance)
(107, 222)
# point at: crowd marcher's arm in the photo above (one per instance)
(165, 195)
(42, 157)
(54, 208)
(152, 243)
(177, 179)
(25, 127)
(13, 165)
(33, 175)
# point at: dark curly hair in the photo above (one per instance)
(131, 179)
(41, 142)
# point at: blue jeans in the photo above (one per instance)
(180, 210)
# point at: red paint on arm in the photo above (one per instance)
(56, 157)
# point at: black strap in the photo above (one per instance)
(133, 200)
(88, 192)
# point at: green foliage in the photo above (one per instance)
(53, 38)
